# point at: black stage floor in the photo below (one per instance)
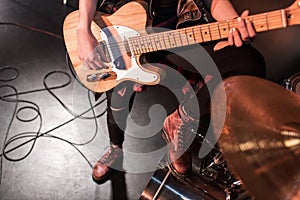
(56, 162)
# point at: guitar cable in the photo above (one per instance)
(32, 29)
(32, 137)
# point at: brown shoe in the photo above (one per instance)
(103, 166)
(178, 131)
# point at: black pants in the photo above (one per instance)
(230, 61)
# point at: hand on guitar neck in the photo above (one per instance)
(239, 36)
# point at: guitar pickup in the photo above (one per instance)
(99, 76)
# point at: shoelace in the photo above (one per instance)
(108, 156)
(181, 138)
(184, 131)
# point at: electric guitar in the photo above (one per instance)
(123, 39)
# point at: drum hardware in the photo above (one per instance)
(210, 180)
(292, 83)
(164, 186)
(161, 185)
(214, 169)
(205, 183)
(287, 84)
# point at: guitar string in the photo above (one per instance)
(274, 17)
(213, 26)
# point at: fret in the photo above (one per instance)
(223, 29)
(157, 42)
(149, 47)
(208, 28)
(144, 45)
(151, 40)
(205, 33)
(200, 31)
(167, 40)
(228, 25)
(258, 23)
(141, 45)
(197, 34)
(283, 18)
(187, 37)
(183, 37)
(190, 35)
(267, 23)
(218, 27)
(147, 43)
(162, 40)
(178, 38)
(153, 43)
(172, 39)
(136, 46)
(194, 35)
(214, 31)
(131, 49)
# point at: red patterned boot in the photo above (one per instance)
(179, 130)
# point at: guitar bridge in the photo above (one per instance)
(100, 76)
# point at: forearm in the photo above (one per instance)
(87, 10)
(222, 10)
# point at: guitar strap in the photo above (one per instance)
(185, 10)
(193, 12)
(110, 6)
(205, 6)
(106, 6)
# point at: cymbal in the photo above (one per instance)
(260, 138)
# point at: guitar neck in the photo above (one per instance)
(205, 33)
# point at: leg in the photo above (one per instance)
(117, 111)
(183, 122)
(231, 61)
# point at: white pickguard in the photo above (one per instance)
(135, 72)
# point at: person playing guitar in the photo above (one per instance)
(233, 56)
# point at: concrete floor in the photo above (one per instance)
(51, 168)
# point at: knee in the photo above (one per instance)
(248, 61)
(116, 115)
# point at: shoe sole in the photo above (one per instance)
(170, 165)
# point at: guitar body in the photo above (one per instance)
(111, 31)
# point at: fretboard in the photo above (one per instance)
(204, 33)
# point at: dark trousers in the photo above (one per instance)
(230, 61)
